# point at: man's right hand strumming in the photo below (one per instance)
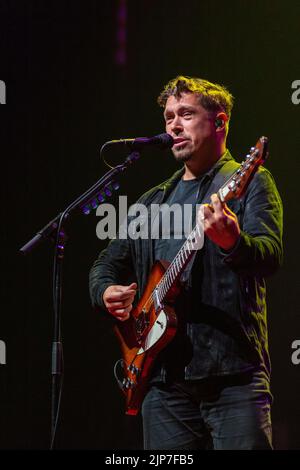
(118, 300)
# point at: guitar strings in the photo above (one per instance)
(167, 275)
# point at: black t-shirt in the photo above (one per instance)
(172, 235)
(188, 302)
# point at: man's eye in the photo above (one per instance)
(187, 113)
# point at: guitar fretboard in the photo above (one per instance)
(179, 263)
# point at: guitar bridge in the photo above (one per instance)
(141, 324)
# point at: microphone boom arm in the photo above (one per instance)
(51, 227)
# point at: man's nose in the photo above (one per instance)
(176, 126)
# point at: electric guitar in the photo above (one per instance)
(153, 322)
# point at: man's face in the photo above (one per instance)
(191, 126)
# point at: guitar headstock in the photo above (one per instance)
(238, 182)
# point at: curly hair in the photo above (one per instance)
(213, 97)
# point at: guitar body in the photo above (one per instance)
(142, 337)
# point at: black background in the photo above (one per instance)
(66, 96)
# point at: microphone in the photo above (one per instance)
(162, 141)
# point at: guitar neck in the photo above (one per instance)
(179, 263)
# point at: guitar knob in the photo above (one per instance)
(127, 383)
(133, 369)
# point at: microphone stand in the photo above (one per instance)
(89, 200)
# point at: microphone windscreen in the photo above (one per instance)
(165, 140)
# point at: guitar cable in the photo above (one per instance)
(119, 382)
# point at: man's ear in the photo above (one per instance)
(220, 121)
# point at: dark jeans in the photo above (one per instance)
(224, 413)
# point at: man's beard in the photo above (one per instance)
(182, 157)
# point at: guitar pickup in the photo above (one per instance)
(141, 323)
(157, 304)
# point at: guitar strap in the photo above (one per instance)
(219, 179)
